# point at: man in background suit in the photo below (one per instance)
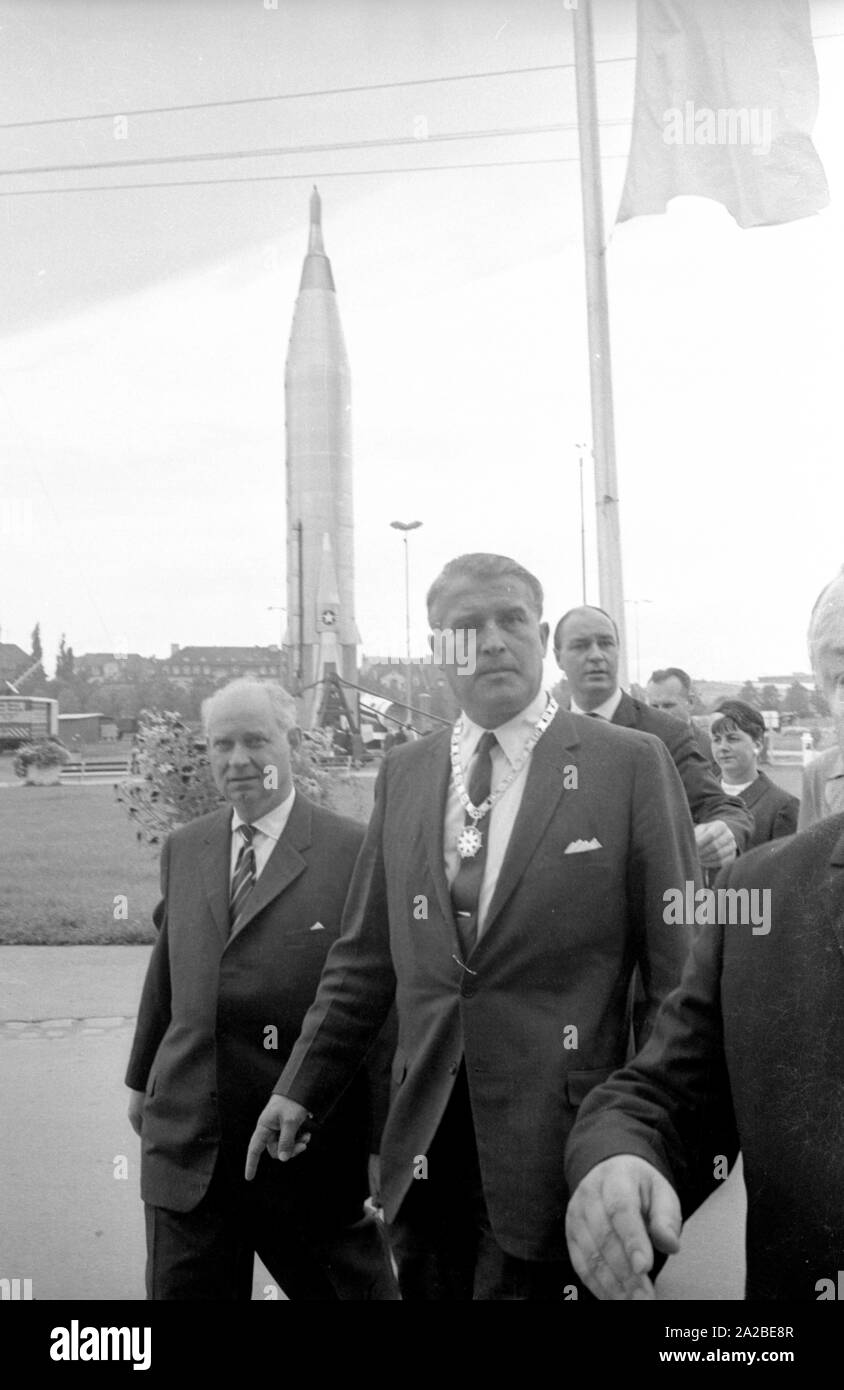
(823, 778)
(252, 897)
(586, 648)
(512, 878)
(671, 691)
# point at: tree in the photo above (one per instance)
(819, 703)
(770, 697)
(75, 693)
(35, 643)
(796, 701)
(750, 695)
(65, 661)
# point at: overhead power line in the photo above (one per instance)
(309, 177)
(205, 156)
(296, 96)
(223, 102)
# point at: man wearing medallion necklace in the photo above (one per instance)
(511, 880)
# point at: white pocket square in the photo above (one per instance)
(580, 846)
(317, 926)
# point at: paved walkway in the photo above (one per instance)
(70, 1161)
(72, 1219)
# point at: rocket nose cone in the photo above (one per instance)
(315, 243)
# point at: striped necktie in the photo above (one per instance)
(466, 888)
(244, 877)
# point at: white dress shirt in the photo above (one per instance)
(498, 823)
(604, 711)
(268, 831)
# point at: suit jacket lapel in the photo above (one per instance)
(284, 865)
(542, 792)
(434, 821)
(625, 713)
(214, 868)
(751, 794)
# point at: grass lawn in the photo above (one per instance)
(66, 854)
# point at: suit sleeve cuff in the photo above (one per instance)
(582, 1155)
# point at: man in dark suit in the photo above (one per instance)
(512, 877)
(747, 1052)
(252, 897)
(671, 691)
(586, 648)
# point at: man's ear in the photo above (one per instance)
(294, 737)
(544, 630)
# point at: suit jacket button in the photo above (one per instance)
(453, 1069)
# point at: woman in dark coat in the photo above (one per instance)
(738, 738)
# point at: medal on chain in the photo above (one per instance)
(470, 840)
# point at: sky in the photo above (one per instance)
(143, 331)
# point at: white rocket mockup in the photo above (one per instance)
(321, 631)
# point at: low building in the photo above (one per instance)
(109, 667)
(85, 728)
(784, 683)
(185, 665)
(430, 691)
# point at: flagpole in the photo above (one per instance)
(610, 584)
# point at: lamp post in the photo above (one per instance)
(405, 527)
(636, 603)
(276, 608)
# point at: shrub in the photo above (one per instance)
(48, 752)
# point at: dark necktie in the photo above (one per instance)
(244, 877)
(466, 888)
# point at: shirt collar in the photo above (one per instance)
(272, 824)
(604, 711)
(512, 736)
(735, 790)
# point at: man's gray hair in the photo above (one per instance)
(484, 569)
(281, 701)
(829, 603)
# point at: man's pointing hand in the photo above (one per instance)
(276, 1131)
(618, 1213)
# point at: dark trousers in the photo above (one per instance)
(208, 1253)
(442, 1239)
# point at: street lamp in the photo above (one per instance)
(405, 527)
(636, 602)
(276, 608)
